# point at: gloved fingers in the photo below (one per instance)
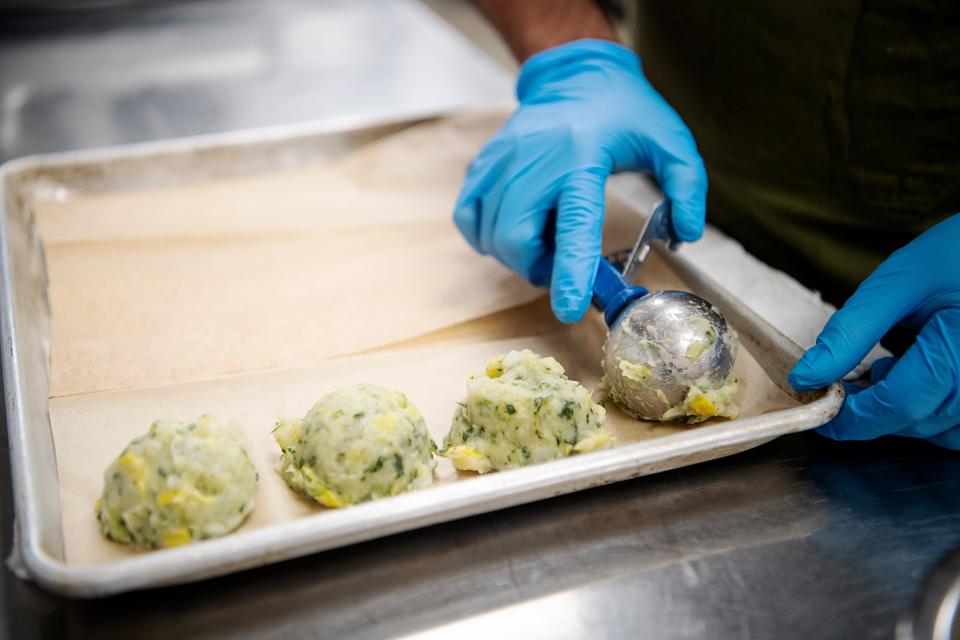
(518, 237)
(931, 427)
(466, 215)
(949, 439)
(482, 176)
(542, 269)
(665, 147)
(914, 393)
(879, 303)
(685, 185)
(880, 368)
(827, 429)
(513, 193)
(580, 211)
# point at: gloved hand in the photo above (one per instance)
(917, 395)
(538, 185)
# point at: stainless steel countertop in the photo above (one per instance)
(801, 538)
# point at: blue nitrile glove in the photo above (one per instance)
(585, 111)
(917, 395)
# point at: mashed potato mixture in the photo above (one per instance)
(704, 401)
(523, 410)
(357, 443)
(178, 483)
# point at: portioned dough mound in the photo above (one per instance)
(357, 443)
(178, 483)
(523, 410)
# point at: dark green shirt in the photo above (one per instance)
(830, 128)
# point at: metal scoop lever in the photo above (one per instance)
(613, 287)
(656, 227)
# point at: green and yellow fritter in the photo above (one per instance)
(357, 443)
(523, 410)
(178, 483)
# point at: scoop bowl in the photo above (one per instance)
(660, 345)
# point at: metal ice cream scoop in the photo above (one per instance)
(661, 343)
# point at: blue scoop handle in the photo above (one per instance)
(611, 292)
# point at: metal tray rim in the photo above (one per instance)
(256, 135)
(323, 531)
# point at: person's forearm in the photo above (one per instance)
(530, 26)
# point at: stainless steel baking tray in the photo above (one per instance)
(26, 329)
